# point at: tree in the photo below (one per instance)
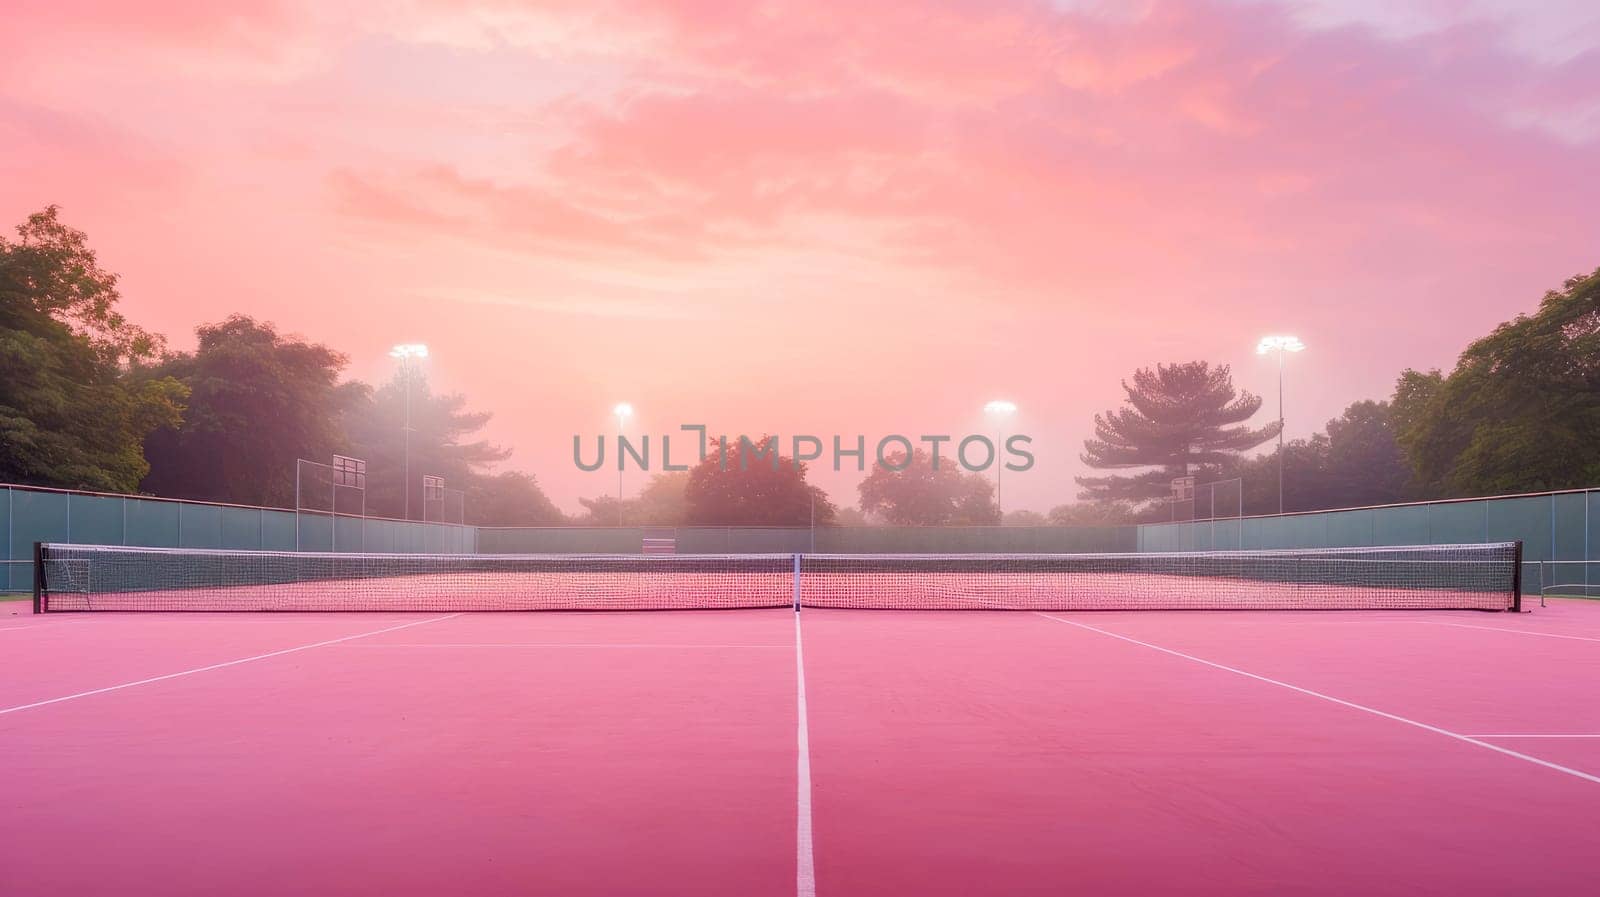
(1179, 417)
(663, 501)
(257, 401)
(1521, 410)
(919, 495)
(849, 515)
(753, 488)
(1024, 518)
(510, 498)
(1354, 463)
(70, 413)
(602, 510)
(440, 438)
(1113, 513)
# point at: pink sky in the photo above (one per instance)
(770, 219)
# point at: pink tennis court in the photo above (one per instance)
(833, 750)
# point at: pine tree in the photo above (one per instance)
(1179, 417)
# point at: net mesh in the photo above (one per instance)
(117, 578)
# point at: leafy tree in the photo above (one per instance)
(753, 488)
(1356, 462)
(257, 401)
(1092, 513)
(511, 498)
(664, 501)
(849, 515)
(1365, 464)
(1178, 418)
(1025, 518)
(1520, 411)
(919, 495)
(70, 413)
(603, 510)
(440, 439)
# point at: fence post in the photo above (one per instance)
(1516, 580)
(38, 577)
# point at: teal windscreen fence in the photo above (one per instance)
(1559, 531)
(802, 540)
(32, 514)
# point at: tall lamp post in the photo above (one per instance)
(1281, 345)
(408, 354)
(1000, 410)
(623, 411)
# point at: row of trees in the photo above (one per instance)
(751, 491)
(1520, 412)
(91, 400)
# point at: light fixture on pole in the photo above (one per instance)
(1000, 410)
(623, 411)
(408, 354)
(1281, 345)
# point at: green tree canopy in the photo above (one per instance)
(662, 502)
(919, 495)
(602, 510)
(753, 488)
(1521, 410)
(1092, 513)
(1356, 461)
(850, 515)
(257, 401)
(510, 498)
(70, 413)
(1178, 418)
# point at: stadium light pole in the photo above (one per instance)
(407, 354)
(1281, 345)
(1000, 410)
(623, 411)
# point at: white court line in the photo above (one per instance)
(805, 865)
(1579, 638)
(33, 626)
(1535, 736)
(1333, 700)
(218, 666)
(554, 645)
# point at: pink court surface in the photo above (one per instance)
(830, 752)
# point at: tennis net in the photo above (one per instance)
(120, 578)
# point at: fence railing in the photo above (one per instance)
(1561, 526)
(801, 539)
(34, 514)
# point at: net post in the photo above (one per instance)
(1516, 577)
(38, 578)
(797, 583)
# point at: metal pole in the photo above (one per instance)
(813, 523)
(1280, 431)
(405, 372)
(999, 503)
(297, 504)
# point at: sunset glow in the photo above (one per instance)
(765, 221)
